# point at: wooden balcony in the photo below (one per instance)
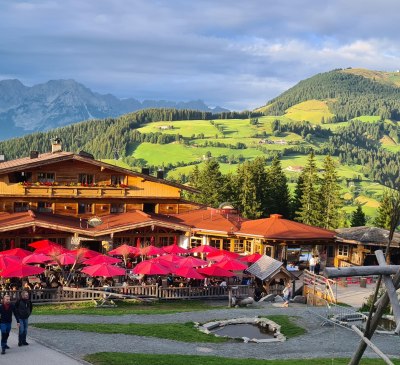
(75, 192)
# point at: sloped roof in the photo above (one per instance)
(50, 158)
(110, 223)
(276, 227)
(367, 236)
(266, 267)
(210, 219)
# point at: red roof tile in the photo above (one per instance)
(275, 227)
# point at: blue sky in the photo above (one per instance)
(236, 54)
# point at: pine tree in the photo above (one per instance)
(278, 196)
(358, 217)
(211, 184)
(252, 177)
(329, 192)
(383, 218)
(298, 195)
(309, 210)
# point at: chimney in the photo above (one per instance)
(145, 171)
(160, 174)
(34, 154)
(2, 157)
(56, 145)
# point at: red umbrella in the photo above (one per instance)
(215, 271)
(203, 249)
(252, 258)
(138, 244)
(188, 272)
(221, 254)
(52, 250)
(123, 250)
(151, 251)
(175, 249)
(36, 258)
(191, 261)
(20, 252)
(104, 269)
(7, 261)
(172, 258)
(150, 268)
(66, 259)
(160, 260)
(175, 240)
(231, 264)
(101, 259)
(43, 243)
(20, 271)
(85, 252)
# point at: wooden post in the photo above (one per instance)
(333, 272)
(373, 347)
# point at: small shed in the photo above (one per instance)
(271, 274)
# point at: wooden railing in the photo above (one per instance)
(67, 294)
(318, 286)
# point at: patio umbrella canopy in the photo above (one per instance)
(251, 258)
(220, 254)
(175, 249)
(150, 268)
(20, 252)
(101, 259)
(203, 249)
(36, 258)
(191, 261)
(215, 271)
(151, 251)
(124, 250)
(188, 272)
(20, 271)
(232, 264)
(104, 269)
(43, 243)
(9, 261)
(66, 259)
(172, 258)
(168, 264)
(85, 252)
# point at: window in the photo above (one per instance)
(45, 207)
(343, 250)
(86, 179)
(117, 208)
(238, 246)
(248, 246)
(20, 176)
(226, 244)
(215, 243)
(46, 177)
(21, 207)
(84, 208)
(117, 179)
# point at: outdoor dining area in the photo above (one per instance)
(53, 273)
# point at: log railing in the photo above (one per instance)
(67, 294)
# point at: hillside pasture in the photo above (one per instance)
(311, 110)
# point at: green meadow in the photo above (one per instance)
(230, 132)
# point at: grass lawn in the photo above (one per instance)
(124, 307)
(288, 327)
(113, 358)
(184, 332)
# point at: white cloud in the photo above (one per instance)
(230, 52)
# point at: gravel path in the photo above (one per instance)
(319, 341)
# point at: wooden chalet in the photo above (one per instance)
(75, 200)
(356, 246)
(62, 195)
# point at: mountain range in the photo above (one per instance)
(58, 103)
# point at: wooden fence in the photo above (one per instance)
(67, 294)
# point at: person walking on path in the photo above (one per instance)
(23, 307)
(7, 309)
(287, 291)
(312, 263)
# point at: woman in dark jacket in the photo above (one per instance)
(7, 309)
